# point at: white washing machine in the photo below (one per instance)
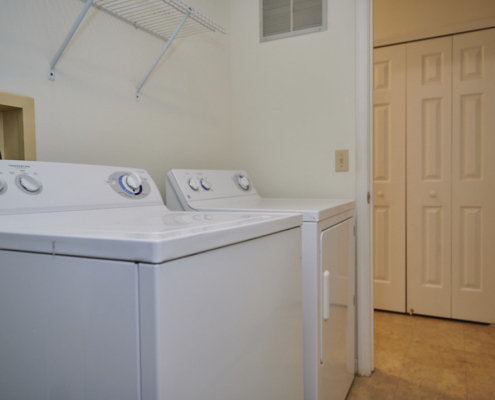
(105, 294)
(328, 267)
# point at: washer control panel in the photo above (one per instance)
(211, 184)
(33, 187)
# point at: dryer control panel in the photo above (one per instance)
(210, 184)
(34, 187)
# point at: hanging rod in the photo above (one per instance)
(164, 19)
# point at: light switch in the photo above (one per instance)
(341, 160)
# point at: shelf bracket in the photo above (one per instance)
(167, 45)
(51, 72)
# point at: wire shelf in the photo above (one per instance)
(165, 19)
(159, 17)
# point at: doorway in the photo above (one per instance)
(434, 177)
(458, 17)
(401, 22)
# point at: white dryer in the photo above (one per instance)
(328, 267)
(105, 294)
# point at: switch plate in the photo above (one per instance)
(341, 160)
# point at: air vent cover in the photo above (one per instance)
(284, 18)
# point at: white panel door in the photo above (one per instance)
(473, 177)
(429, 150)
(389, 178)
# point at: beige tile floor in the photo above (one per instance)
(428, 358)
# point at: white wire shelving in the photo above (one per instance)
(164, 19)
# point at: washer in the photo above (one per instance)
(328, 267)
(106, 294)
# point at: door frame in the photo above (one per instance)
(440, 31)
(364, 186)
(364, 176)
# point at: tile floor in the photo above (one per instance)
(431, 359)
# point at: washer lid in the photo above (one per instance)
(145, 234)
(312, 210)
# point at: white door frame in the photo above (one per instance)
(364, 187)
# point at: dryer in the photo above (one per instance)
(328, 242)
(106, 294)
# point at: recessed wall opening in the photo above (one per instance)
(17, 127)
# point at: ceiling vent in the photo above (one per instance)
(285, 18)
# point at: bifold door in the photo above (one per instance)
(473, 177)
(389, 176)
(429, 178)
(444, 96)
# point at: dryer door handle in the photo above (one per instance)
(326, 295)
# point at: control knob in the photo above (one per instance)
(194, 184)
(2, 185)
(30, 183)
(243, 182)
(206, 185)
(134, 181)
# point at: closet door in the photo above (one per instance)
(473, 177)
(389, 177)
(429, 194)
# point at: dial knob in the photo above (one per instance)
(206, 185)
(134, 181)
(30, 183)
(194, 184)
(2, 185)
(243, 182)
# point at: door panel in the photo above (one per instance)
(473, 177)
(389, 169)
(429, 148)
(337, 347)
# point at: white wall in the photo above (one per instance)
(404, 20)
(278, 109)
(89, 114)
(293, 104)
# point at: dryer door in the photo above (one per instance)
(337, 311)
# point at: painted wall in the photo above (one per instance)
(293, 104)
(402, 19)
(89, 114)
(278, 109)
